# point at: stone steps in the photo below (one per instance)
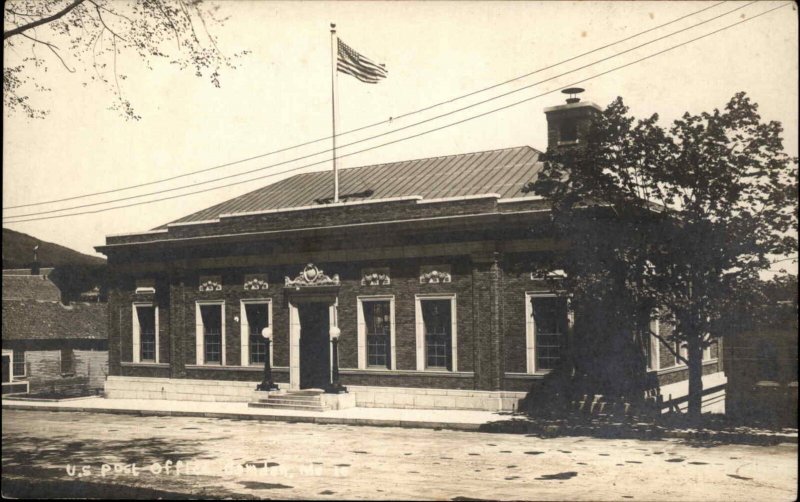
(298, 400)
(288, 406)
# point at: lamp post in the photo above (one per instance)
(267, 384)
(335, 387)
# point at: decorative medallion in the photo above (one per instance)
(548, 274)
(375, 277)
(435, 274)
(312, 276)
(255, 282)
(145, 286)
(212, 283)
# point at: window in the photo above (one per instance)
(67, 362)
(210, 332)
(376, 332)
(682, 349)
(707, 350)
(19, 363)
(256, 317)
(436, 332)
(377, 322)
(6, 367)
(438, 335)
(547, 321)
(145, 333)
(652, 349)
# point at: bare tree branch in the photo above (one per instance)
(169, 19)
(18, 13)
(25, 27)
(52, 48)
(116, 79)
(100, 15)
(111, 11)
(208, 34)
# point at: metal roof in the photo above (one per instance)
(503, 172)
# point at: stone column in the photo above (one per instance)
(177, 324)
(487, 321)
(115, 302)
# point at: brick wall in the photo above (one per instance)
(324, 217)
(42, 366)
(94, 365)
(89, 370)
(177, 319)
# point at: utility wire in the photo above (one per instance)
(424, 132)
(407, 114)
(452, 112)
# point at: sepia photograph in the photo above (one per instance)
(400, 250)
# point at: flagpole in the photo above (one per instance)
(334, 98)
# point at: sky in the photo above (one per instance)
(279, 95)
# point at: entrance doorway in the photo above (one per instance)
(315, 359)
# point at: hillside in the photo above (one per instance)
(18, 252)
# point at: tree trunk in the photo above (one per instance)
(695, 353)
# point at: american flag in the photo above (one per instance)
(362, 68)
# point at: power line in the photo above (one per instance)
(421, 133)
(157, 192)
(407, 114)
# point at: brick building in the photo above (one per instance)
(761, 365)
(425, 269)
(47, 345)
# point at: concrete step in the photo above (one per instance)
(288, 406)
(295, 397)
(298, 402)
(308, 400)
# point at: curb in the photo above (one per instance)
(643, 433)
(371, 422)
(489, 427)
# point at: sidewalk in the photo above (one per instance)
(380, 417)
(464, 420)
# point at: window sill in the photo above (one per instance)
(145, 364)
(533, 376)
(444, 373)
(680, 367)
(259, 367)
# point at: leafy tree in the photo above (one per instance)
(672, 223)
(86, 37)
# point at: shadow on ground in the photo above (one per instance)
(709, 434)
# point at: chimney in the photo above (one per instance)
(35, 264)
(568, 125)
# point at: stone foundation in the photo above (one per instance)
(454, 399)
(361, 396)
(179, 389)
(713, 394)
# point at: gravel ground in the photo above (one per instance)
(84, 454)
